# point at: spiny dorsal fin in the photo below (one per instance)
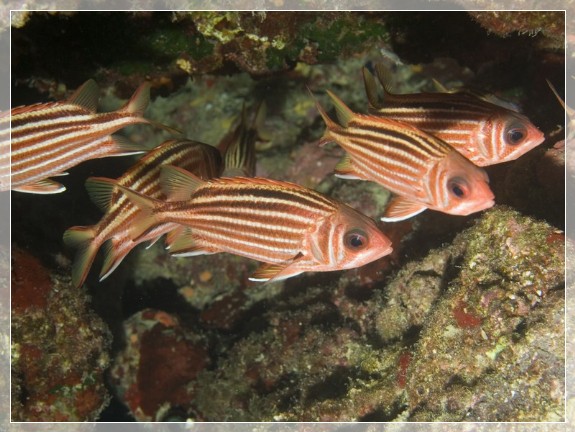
(86, 96)
(177, 183)
(344, 114)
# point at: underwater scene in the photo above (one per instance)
(279, 216)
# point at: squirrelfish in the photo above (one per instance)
(290, 228)
(113, 229)
(46, 139)
(483, 132)
(422, 170)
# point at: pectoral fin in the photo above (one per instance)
(401, 208)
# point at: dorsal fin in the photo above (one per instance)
(177, 183)
(344, 114)
(86, 96)
(139, 100)
(440, 87)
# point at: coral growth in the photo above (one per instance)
(59, 347)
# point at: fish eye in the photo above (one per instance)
(458, 187)
(355, 239)
(515, 134)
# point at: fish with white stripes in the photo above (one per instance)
(421, 170)
(113, 229)
(485, 133)
(292, 229)
(45, 140)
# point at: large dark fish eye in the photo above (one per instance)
(355, 239)
(458, 187)
(515, 134)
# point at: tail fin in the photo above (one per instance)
(82, 239)
(114, 253)
(240, 156)
(370, 88)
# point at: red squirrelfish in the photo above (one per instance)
(290, 228)
(47, 139)
(422, 170)
(483, 132)
(113, 230)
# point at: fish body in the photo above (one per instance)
(420, 169)
(113, 229)
(290, 228)
(235, 154)
(45, 140)
(485, 133)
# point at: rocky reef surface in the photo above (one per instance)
(463, 322)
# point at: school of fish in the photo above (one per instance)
(428, 149)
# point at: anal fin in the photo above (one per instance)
(42, 187)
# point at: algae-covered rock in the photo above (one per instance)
(473, 331)
(492, 349)
(59, 347)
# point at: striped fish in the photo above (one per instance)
(44, 140)
(422, 170)
(483, 132)
(290, 228)
(113, 230)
